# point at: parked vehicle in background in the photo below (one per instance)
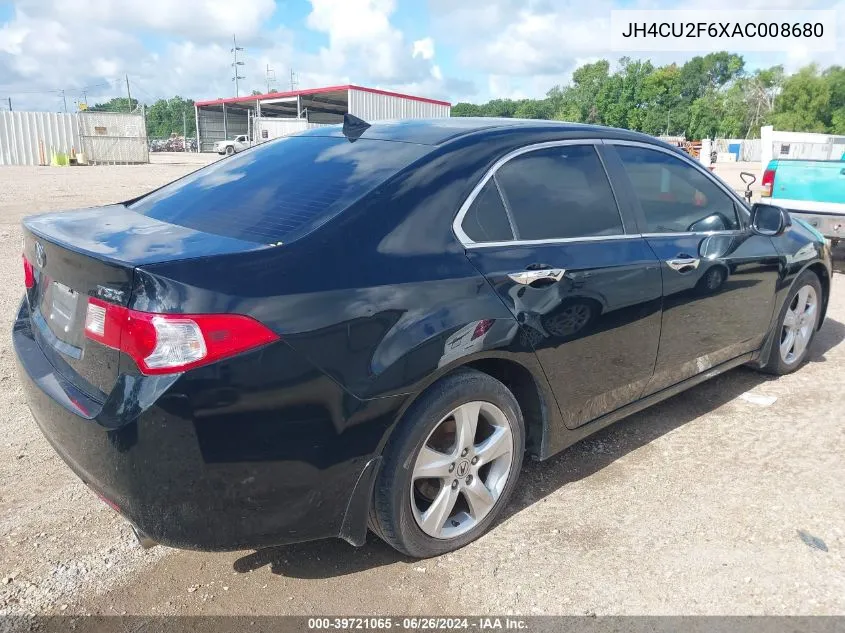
(372, 326)
(812, 191)
(238, 144)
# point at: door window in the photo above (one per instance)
(559, 192)
(674, 196)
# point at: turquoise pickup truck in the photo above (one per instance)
(812, 190)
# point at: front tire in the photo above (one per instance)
(230, 150)
(799, 319)
(450, 467)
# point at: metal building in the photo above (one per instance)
(267, 116)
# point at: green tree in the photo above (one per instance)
(804, 102)
(118, 104)
(500, 108)
(467, 109)
(835, 78)
(664, 112)
(165, 117)
(533, 109)
(710, 95)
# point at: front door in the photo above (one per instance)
(546, 232)
(718, 277)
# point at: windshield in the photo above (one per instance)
(278, 191)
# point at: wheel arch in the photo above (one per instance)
(823, 274)
(818, 268)
(528, 385)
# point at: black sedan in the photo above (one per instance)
(371, 326)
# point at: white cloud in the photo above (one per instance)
(424, 48)
(193, 19)
(51, 44)
(363, 41)
(527, 46)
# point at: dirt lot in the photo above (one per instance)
(716, 501)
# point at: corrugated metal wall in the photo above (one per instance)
(28, 138)
(278, 127)
(211, 128)
(114, 137)
(372, 106)
(282, 127)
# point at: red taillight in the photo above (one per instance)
(169, 343)
(482, 327)
(28, 274)
(768, 183)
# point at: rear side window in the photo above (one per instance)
(676, 197)
(278, 191)
(559, 192)
(486, 220)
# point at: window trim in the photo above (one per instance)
(468, 242)
(732, 195)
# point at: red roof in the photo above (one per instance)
(313, 91)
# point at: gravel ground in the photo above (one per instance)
(717, 501)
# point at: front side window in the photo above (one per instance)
(559, 192)
(674, 196)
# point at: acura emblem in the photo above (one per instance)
(40, 258)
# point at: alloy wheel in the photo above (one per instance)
(798, 324)
(461, 469)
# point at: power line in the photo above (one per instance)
(136, 86)
(59, 91)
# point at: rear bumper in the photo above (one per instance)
(831, 225)
(208, 483)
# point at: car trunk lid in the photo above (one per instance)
(93, 253)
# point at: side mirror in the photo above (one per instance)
(767, 219)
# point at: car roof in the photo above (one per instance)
(443, 130)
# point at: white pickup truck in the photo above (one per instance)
(238, 144)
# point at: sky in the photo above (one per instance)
(455, 50)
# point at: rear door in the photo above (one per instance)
(545, 230)
(718, 277)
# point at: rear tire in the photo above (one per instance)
(796, 326)
(444, 481)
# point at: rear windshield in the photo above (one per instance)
(281, 190)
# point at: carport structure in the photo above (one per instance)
(267, 116)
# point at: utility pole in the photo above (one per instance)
(10, 104)
(236, 63)
(184, 129)
(294, 80)
(64, 101)
(128, 94)
(270, 74)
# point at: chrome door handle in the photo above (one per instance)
(527, 277)
(683, 263)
